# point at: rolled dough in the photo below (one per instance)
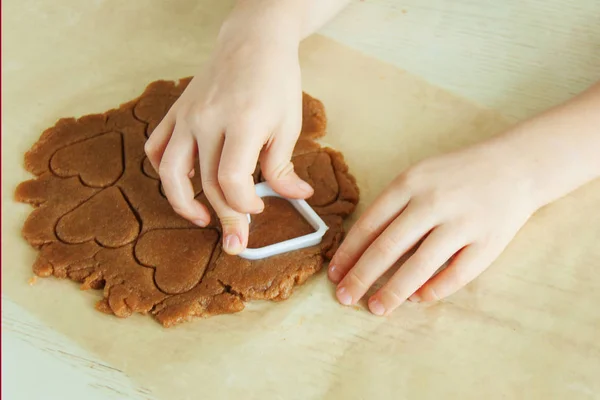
(102, 219)
(527, 328)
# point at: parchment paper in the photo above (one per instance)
(528, 328)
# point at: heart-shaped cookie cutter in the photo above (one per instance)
(264, 190)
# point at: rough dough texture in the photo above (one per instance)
(101, 218)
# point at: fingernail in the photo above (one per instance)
(232, 244)
(305, 187)
(334, 274)
(343, 296)
(415, 298)
(376, 307)
(200, 222)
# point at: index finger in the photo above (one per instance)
(233, 223)
(176, 163)
(239, 157)
(369, 226)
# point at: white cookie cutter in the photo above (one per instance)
(264, 190)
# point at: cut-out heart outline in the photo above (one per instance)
(175, 255)
(115, 214)
(98, 161)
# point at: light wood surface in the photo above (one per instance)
(515, 57)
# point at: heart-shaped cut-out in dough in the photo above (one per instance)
(98, 161)
(179, 256)
(106, 217)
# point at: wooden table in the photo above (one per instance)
(513, 56)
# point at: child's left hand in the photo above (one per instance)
(465, 206)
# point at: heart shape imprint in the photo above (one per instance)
(179, 256)
(106, 218)
(98, 161)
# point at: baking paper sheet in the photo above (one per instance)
(529, 327)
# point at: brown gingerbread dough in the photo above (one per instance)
(101, 218)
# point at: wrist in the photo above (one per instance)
(527, 168)
(512, 165)
(548, 164)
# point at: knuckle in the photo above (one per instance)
(209, 184)
(365, 229)
(342, 256)
(231, 220)
(251, 122)
(169, 171)
(165, 170)
(430, 292)
(431, 202)
(211, 190)
(391, 295)
(149, 147)
(292, 127)
(487, 239)
(356, 280)
(238, 205)
(403, 180)
(195, 120)
(423, 258)
(462, 224)
(183, 110)
(197, 116)
(247, 117)
(244, 120)
(434, 295)
(436, 196)
(409, 178)
(456, 279)
(228, 178)
(279, 172)
(385, 245)
(465, 229)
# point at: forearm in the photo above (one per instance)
(286, 21)
(560, 149)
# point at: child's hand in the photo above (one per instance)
(246, 105)
(465, 206)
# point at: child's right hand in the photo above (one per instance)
(466, 206)
(246, 105)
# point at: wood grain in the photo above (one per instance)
(517, 57)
